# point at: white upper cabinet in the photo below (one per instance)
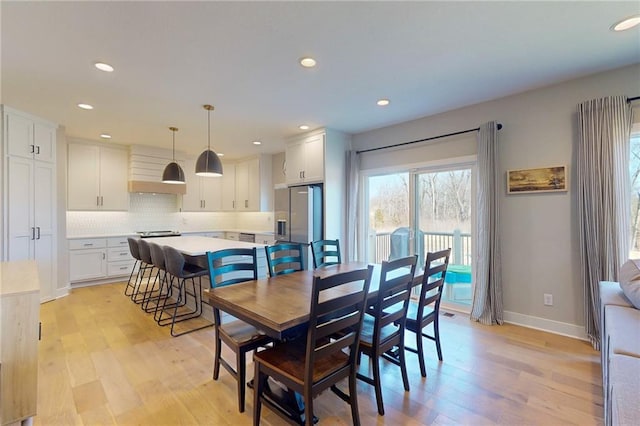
(228, 183)
(305, 160)
(97, 178)
(28, 138)
(204, 194)
(253, 184)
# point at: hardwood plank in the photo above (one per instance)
(104, 361)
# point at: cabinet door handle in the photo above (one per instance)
(246, 204)
(104, 256)
(39, 330)
(97, 200)
(88, 244)
(33, 233)
(37, 232)
(101, 200)
(32, 149)
(37, 149)
(233, 203)
(204, 204)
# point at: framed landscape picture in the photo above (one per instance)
(544, 179)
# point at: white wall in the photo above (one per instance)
(538, 231)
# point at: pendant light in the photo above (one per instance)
(208, 163)
(173, 173)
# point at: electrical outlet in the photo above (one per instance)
(548, 299)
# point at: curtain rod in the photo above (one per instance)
(424, 140)
(633, 99)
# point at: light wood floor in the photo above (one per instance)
(104, 361)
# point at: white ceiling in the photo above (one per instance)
(242, 57)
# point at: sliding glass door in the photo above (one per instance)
(424, 210)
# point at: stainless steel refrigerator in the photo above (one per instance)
(298, 214)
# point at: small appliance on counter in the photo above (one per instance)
(155, 234)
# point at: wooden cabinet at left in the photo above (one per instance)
(29, 146)
(19, 333)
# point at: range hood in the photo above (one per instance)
(146, 164)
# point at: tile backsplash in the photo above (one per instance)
(160, 212)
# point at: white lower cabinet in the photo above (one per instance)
(99, 258)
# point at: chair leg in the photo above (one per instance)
(436, 336)
(308, 406)
(353, 398)
(129, 284)
(403, 367)
(423, 368)
(375, 362)
(259, 382)
(241, 369)
(216, 360)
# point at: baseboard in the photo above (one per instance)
(556, 327)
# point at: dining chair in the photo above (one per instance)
(309, 366)
(284, 258)
(325, 252)
(384, 323)
(427, 310)
(228, 267)
(180, 271)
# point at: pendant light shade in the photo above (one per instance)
(173, 173)
(208, 163)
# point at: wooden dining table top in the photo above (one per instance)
(281, 305)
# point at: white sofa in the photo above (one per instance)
(620, 356)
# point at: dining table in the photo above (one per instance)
(280, 306)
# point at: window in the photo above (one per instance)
(634, 173)
(423, 210)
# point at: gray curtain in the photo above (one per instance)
(353, 178)
(604, 129)
(487, 299)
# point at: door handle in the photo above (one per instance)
(246, 204)
(37, 149)
(204, 203)
(97, 200)
(38, 232)
(104, 256)
(233, 203)
(101, 200)
(33, 233)
(32, 149)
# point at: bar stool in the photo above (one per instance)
(139, 295)
(157, 257)
(181, 272)
(133, 249)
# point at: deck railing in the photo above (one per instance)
(459, 242)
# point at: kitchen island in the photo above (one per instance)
(195, 249)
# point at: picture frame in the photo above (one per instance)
(542, 179)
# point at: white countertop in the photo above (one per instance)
(199, 246)
(133, 234)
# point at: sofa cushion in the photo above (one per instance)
(631, 289)
(624, 388)
(623, 330)
(630, 271)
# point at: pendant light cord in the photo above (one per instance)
(209, 129)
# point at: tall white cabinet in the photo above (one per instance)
(29, 231)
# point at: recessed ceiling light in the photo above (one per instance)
(103, 67)
(626, 23)
(220, 154)
(257, 143)
(303, 127)
(308, 62)
(383, 102)
(105, 136)
(85, 106)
